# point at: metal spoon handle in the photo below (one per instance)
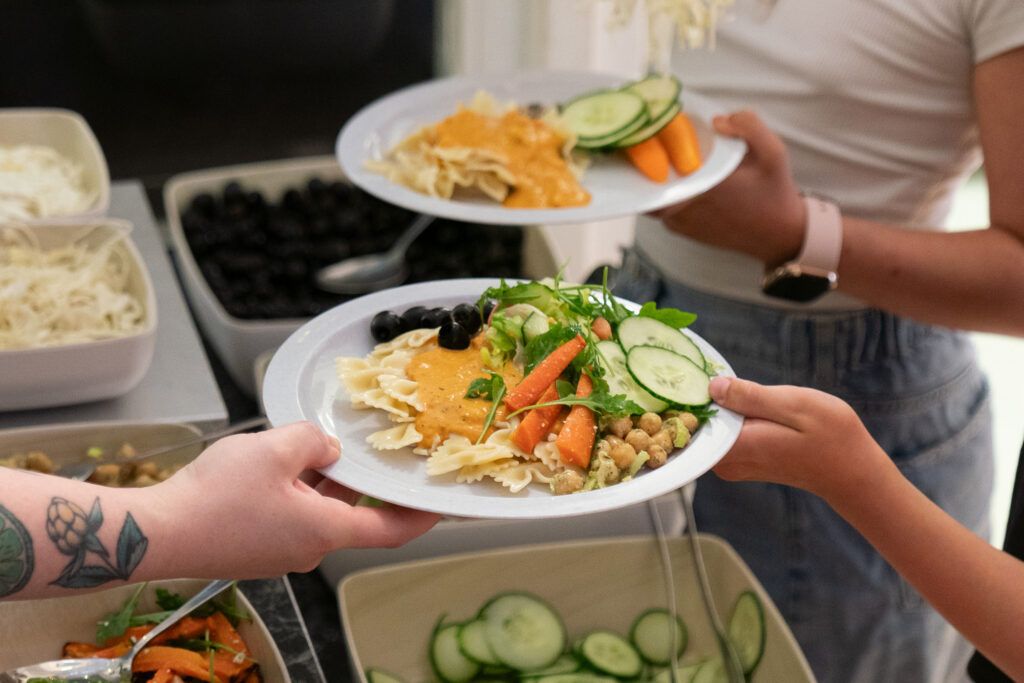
(210, 590)
(421, 223)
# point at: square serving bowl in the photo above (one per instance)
(35, 630)
(388, 613)
(45, 376)
(69, 135)
(239, 342)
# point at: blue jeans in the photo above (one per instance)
(921, 395)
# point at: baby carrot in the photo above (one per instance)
(537, 423)
(576, 439)
(680, 142)
(543, 374)
(651, 158)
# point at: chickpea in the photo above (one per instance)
(689, 421)
(566, 482)
(656, 456)
(638, 439)
(603, 446)
(623, 454)
(105, 475)
(663, 440)
(650, 423)
(37, 461)
(620, 426)
(672, 427)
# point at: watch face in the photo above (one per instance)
(794, 285)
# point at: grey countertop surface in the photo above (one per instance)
(179, 385)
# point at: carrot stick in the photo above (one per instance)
(221, 631)
(543, 374)
(651, 158)
(576, 439)
(179, 660)
(537, 423)
(163, 676)
(680, 142)
(601, 328)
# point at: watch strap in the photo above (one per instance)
(823, 236)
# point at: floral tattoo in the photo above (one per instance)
(16, 556)
(74, 533)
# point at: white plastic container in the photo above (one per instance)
(48, 376)
(70, 136)
(239, 342)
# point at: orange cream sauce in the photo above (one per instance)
(533, 151)
(443, 376)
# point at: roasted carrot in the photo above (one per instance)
(544, 374)
(651, 158)
(221, 631)
(680, 142)
(179, 660)
(163, 676)
(537, 423)
(576, 439)
(79, 650)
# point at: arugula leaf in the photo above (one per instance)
(599, 400)
(493, 390)
(670, 316)
(168, 600)
(116, 623)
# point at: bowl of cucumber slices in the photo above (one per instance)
(541, 613)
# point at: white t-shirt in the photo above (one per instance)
(873, 99)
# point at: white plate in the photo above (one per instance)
(301, 384)
(616, 187)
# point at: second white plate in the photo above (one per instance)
(616, 187)
(301, 384)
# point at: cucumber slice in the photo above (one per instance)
(711, 671)
(446, 659)
(747, 630)
(576, 677)
(472, 642)
(524, 632)
(684, 673)
(613, 358)
(534, 326)
(374, 675)
(640, 330)
(659, 635)
(652, 128)
(659, 91)
(601, 117)
(669, 376)
(565, 664)
(611, 654)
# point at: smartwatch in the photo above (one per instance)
(813, 272)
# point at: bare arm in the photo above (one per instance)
(968, 280)
(811, 440)
(240, 510)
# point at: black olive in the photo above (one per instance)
(453, 336)
(413, 317)
(468, 316)
(436, 317)
(488, 308)
(385, 326)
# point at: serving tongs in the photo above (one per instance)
(731, 663)
(83, 469)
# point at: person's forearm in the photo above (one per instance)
(59, 536)
(977, 588)
(963, 280)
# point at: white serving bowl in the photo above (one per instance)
(48, 376)
(35, 630)
(388, 613)
(240, 342)
(68, 133)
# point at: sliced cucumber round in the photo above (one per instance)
(601, 117)
(652, 128)
(472, 642)
(660, 91)
(640, 330)
(658, 636)
(375, 675)
(565, 664)
(747, 630)
(447, 660)
(669, 376)
(523, 631)
(613, 358)
(684, 673)
(611, 654)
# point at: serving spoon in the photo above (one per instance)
(113, 669)
(369, 273)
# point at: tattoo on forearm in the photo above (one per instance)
(74, 533)
(16, 558)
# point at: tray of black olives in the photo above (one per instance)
(249, 239)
